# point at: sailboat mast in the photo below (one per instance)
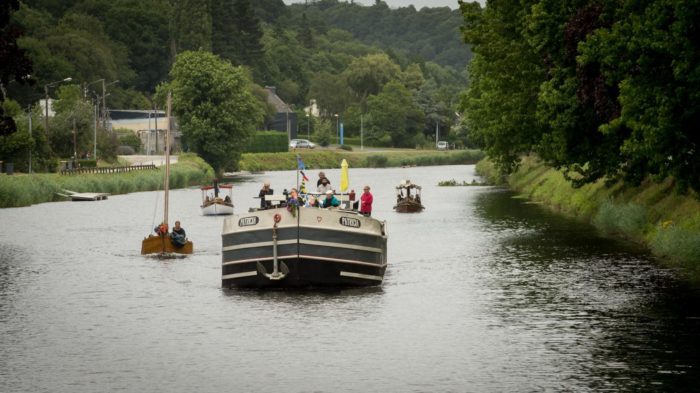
(166, 185)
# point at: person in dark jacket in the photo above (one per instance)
(178, 235)
(266, 190)
(330, 200)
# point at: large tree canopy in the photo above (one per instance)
(598, 89)
(215, 107)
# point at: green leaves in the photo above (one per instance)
(597, 89)
(215, 106)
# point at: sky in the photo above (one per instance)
(405, 3)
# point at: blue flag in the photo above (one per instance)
(300, 163)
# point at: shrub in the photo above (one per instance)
(628, 219)
(267, 142)
(376, 161)
(681, 243)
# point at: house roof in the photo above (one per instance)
(276, 101)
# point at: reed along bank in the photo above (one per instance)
(654, 214)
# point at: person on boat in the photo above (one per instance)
(161, 229)
(311, 202)
(324, 185)
(331, 200)
(266, 190)
(178, 236)
(295, 198)
(321, 176)
(366, 202)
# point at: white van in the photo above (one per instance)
(443, 145)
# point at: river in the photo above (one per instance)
(484, 292)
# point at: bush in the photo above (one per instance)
(680, 243)
(128, 138)
(628, 219)
(267, 142)
(125, 150)
(376, 161)
(87, 163)
(346, 147)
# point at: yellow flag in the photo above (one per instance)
(344, 181)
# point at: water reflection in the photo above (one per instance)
(601, 304)
(484, 293)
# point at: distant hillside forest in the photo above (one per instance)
(396, 73)
(298, 49)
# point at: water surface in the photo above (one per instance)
(484, 293)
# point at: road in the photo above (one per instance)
(156, 160)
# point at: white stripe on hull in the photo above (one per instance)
(260, 244)
(239, 275)
(236, 262)
(304, 241)
(351, 261)
(358, 275)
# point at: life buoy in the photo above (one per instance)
(278, 217)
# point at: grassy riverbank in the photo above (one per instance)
(653, 214)
(327, 158)
(24, 190)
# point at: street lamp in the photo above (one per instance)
(104, 102)
(46, 93)
(308, 127)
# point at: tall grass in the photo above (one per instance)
(327, 158)
(628, 219)
(652, 213)
(25, 190)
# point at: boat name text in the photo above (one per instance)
(350, 222)
(248, 221)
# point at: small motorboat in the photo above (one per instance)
(213, 204)
(408, 198)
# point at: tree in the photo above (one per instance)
(71, 128)
(367, 75)
(215, 108)
(501, 101)
(331, 93)
(304, 34)
(249, 35)
(394, 112)
(191, 26)
(652, 53)
(224, 37)
(18, 69)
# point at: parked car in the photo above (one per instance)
(443, 145)
(301, 144)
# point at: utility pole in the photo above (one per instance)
(29, 113)
(75, 145)
(94, 148)
(155, 119)
(104, 105)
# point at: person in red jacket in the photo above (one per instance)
(366, 202)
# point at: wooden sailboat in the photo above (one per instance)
(162, 243)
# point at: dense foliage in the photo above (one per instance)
(215, 107)
(114, 54)
(597, 89)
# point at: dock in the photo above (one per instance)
(83, 196)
